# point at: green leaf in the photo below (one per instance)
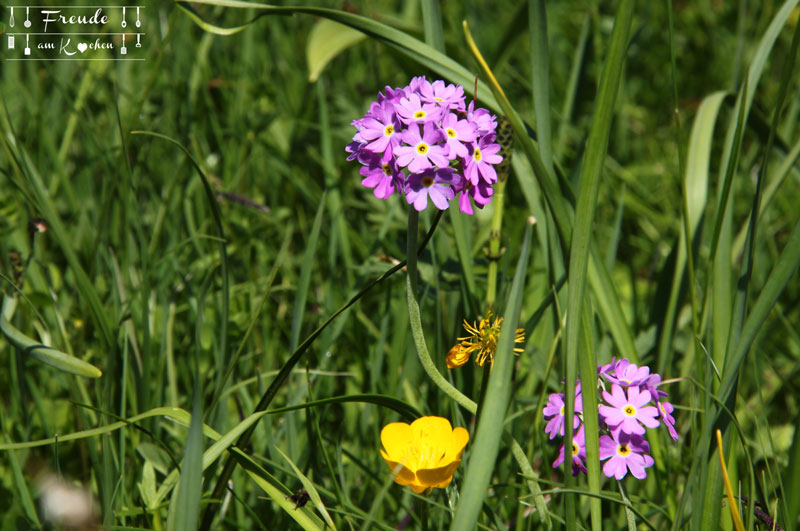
(326, 40)
(696, 185)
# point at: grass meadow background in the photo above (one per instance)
(203, 224)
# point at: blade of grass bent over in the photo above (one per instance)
(414, 48)
(50, 356)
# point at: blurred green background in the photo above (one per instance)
(131, 275)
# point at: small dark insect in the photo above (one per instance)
(300, 498)
(760, 512)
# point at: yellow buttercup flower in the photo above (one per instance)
(425, 454)
(482, 339)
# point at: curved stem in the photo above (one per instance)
(416, 322)
(439, 380)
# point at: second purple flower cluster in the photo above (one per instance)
(634, 403)
(426, 129)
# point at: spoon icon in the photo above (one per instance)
(27, 23)
(138, 24)
(11, 20)
(123, 17)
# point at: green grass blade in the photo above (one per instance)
(540, 78)
(785, 267)
(213, 205)
(326, 40)
(305, 276)
(288, 366)
(303, 516)
(590, 175)
(184, 511)
(432, 24)
(311, 489)
(490, 427)
(696, 184)
(53, 357)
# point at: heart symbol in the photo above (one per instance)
(82, 47)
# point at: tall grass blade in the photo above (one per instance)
(490, 427)
(540, 78)
(184, 511)
(590, 175)
(305, 276)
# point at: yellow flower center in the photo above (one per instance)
(623, 450)
(419, 115)
(575, 448)
(438, 99)
(451, 132)
(477, 155)
(389, 130)
(387, 170)
(629, 410)
(562, 411)
(427, 181)
(422, 148)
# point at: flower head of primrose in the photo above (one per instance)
(634, 404)
(423, 141)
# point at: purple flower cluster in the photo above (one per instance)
(624, 412)
(426, 129)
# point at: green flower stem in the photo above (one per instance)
(494, 243)
(416, 323)
(444, 385)
(629, 516)
(487, 371)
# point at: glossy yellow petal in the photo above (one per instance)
(438, 477)
(419, 489)
(427, 427)
(397, 439)
(402, 474)
(458, 442)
